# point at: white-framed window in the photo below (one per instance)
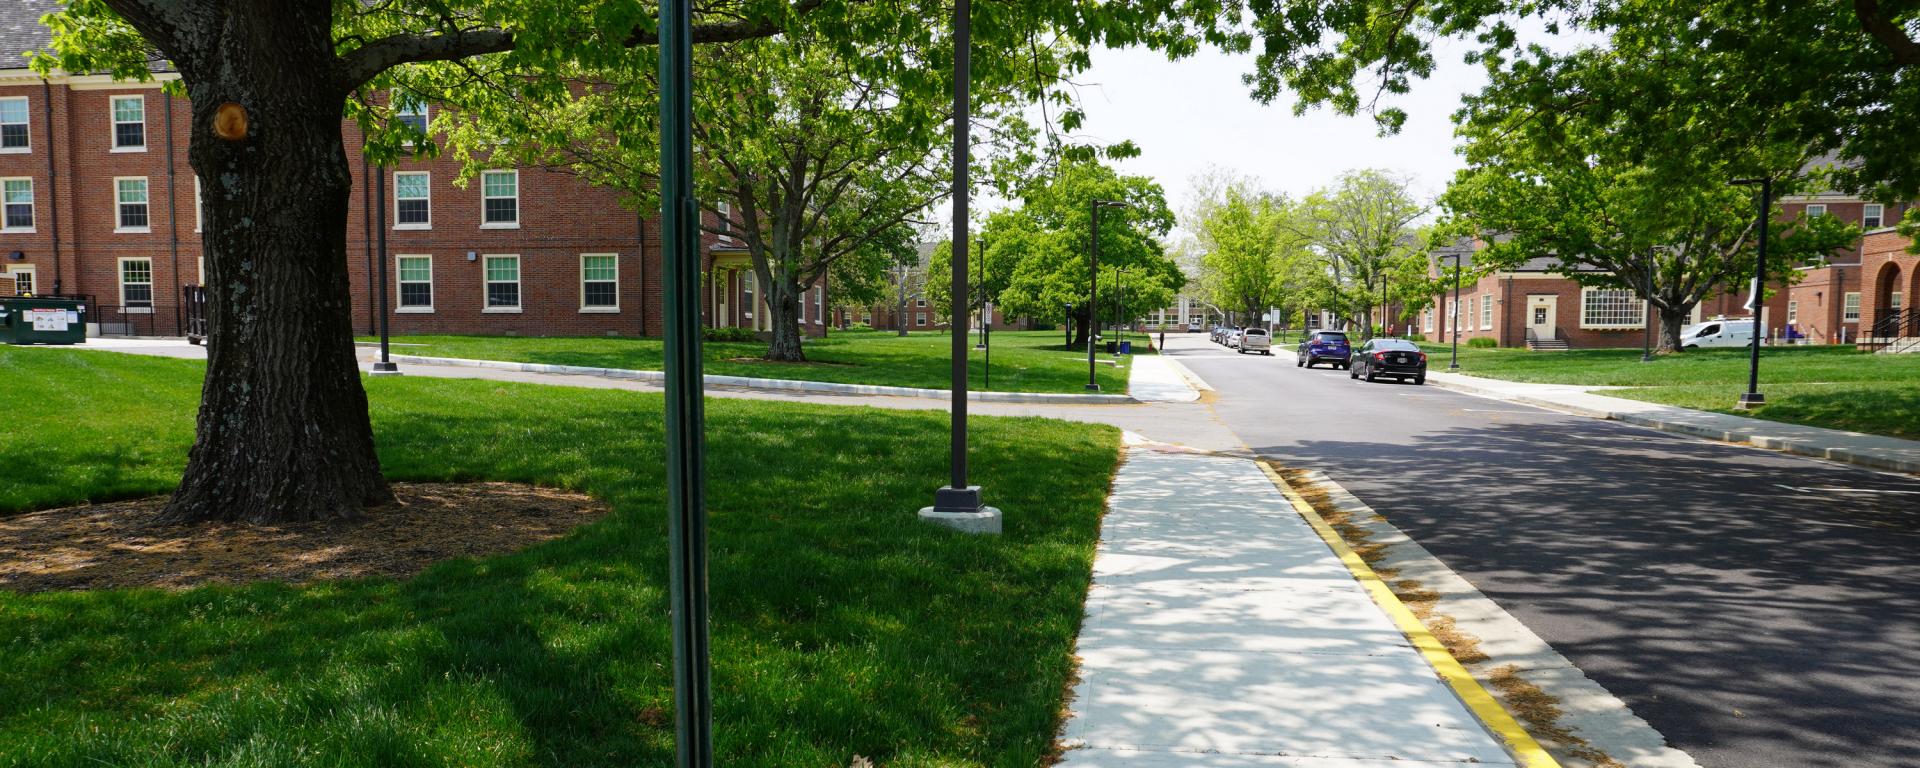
(502, 283)
(199, 205)
(130, 123)
(800, 307)
(136, 286)
(1873, 216)
(1486, 313)
(866, 318)
(920, 301)
(919, 318)
(746, 293)
(16, 130)
(414, 286)
(1816, 209)
(1894, 300)
(819, 300)
(22, 274)
(1427, 323)
(724, 210)
(599, 282)
(1793, 313)
(1611, 308)
(130, 199)
(1473, 306)
(412, 200)
(500, 199)
(16, 195)
(1850, 308)
(410, 110)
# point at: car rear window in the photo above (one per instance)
(1396, 344)
(1329, 337)
(1257, 331)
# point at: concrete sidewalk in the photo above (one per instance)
(1161, 379)
(1222, 630)
(1889, 453)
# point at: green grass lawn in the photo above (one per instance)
(1825, 386)
(1023, 361)
(841, 625)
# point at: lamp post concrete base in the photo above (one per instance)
(960, 509)
(384, 369)
(1750, 401)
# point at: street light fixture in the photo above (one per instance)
(1454, 310)
(957, 505)
(1093, 284)
(384, 366)
(1752, 398)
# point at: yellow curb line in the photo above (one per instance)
(1521, 744)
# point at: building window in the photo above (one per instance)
(15, 135)
(1611, 308)
(500, 198)
(22, 280)
(866, 318)
(1873, 216)
(503, 283)
(136, 286)
(819, 299)
(919, 318)
(599, 282)
(410, 110)
(412, 200)
(17, 196)
(1894, 300)
(129, 123)
(746, 293)
(1816, 209)
(1850, 308)
(1486, 313)
(724, 210)
(920, 301)
(1793, 312)
(131, 194)
(1427, 324)
(415, 283)
(199, 206)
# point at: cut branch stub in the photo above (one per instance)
(230, 122)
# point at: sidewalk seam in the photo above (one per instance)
(1494, 717)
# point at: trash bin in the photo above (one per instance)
(1126, 347)
(1113, 347)
(33, 320)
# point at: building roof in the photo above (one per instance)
(21, 30)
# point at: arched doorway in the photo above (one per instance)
(1912, 294)
(1888, 297)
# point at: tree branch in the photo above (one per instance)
(1905, 51)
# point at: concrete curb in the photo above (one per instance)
(1797, 447)
(781, 384)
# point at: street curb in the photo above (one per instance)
(1527, 752)
(783, 384)
(1737, 437)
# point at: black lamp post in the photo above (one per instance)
(686, 414)
(1752, 397)
(1093, 286)
(1646, 322)
(957, 505)
(1454, 310)
(385, 366)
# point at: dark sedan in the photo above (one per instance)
(1389, 357)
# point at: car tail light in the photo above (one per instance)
(1380, 356)
(1423, 356)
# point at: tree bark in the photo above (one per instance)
(283, 433)
(783, 306)
(1671, 321)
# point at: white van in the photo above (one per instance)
(1722, 332)
(1255, 340)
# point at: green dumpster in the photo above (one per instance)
(34, 320)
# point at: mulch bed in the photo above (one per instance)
(102, 546)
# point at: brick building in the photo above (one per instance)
(99, 200)
(1825, 304)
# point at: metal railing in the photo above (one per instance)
(193, 302)
(115, 320)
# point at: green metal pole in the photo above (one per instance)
(686, 416)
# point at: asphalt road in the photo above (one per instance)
(1751, 624)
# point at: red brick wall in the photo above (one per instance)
(1886, 267)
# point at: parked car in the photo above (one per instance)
(1324, 347)
(1220, 334)
(1397, 358)
(1233, 338)
(1718, 333)
(1193, 327)
(1255, 340)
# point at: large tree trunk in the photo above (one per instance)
(1671, 322)
(783, 306)
(283, 433)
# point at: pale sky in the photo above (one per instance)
(1189, 115)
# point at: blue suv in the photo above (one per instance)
(1324, 347)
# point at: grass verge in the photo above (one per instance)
(1829, 386)
(1023, 361)
(841, 625)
